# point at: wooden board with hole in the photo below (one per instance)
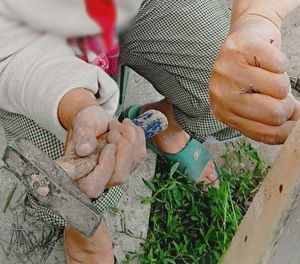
(270, 230)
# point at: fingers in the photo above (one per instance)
(117, 160)
(95, 182)
(125, 129)
(261, 132)
(133, 134)
(123, 166)
(251, 60)
(254, 62)
(257, 116)
(262, 108)
(266, 56)
(247, 77)
(226, 97)
(272, 84)
(131, 149)
(138, 138)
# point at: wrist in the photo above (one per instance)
(273, 10)
(72, 103)
(256, 23)
(260, 12)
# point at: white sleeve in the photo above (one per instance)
(67, 18)
(33, 81)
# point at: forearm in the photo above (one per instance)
(274, 10)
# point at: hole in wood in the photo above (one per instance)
(280, 188)
(246, 238)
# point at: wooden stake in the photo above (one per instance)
(259, 232)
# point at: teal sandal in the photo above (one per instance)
(192, 159)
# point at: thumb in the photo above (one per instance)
(84, 138)
(85, 143)
(87, 125)
(80, 143)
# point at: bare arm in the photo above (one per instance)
(274, 10)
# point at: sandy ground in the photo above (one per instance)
(23, 240)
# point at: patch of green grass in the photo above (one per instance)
(189, 225)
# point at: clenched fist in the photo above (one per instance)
(125, 149)
(249, 88)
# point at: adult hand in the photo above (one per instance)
(249, 88)
(117, 160)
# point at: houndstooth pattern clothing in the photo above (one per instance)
(173, 44)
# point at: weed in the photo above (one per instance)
(9, 197)
(190, 225)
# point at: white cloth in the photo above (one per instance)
(37, 66)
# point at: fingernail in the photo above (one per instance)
(85, 148)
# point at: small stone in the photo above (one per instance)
(43, 191)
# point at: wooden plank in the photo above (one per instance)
(260, 230)
(287, 248)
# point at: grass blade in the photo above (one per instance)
(9, 197)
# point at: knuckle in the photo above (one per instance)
(219, 67)
(233, 47)
(127, 127)
(282, 62)
(92, 192)
(140, 131)
(284, 87)
(140, 158)
(216, 91)
(229, 44)
(129, 130)
(113, 124)
(110, 135)
(118, 179)
(271, 137)
(125, 144)
(218, 111)
(278, 116)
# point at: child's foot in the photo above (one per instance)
(174, 139)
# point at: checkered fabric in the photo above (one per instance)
(173, 44)
(16, 125)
